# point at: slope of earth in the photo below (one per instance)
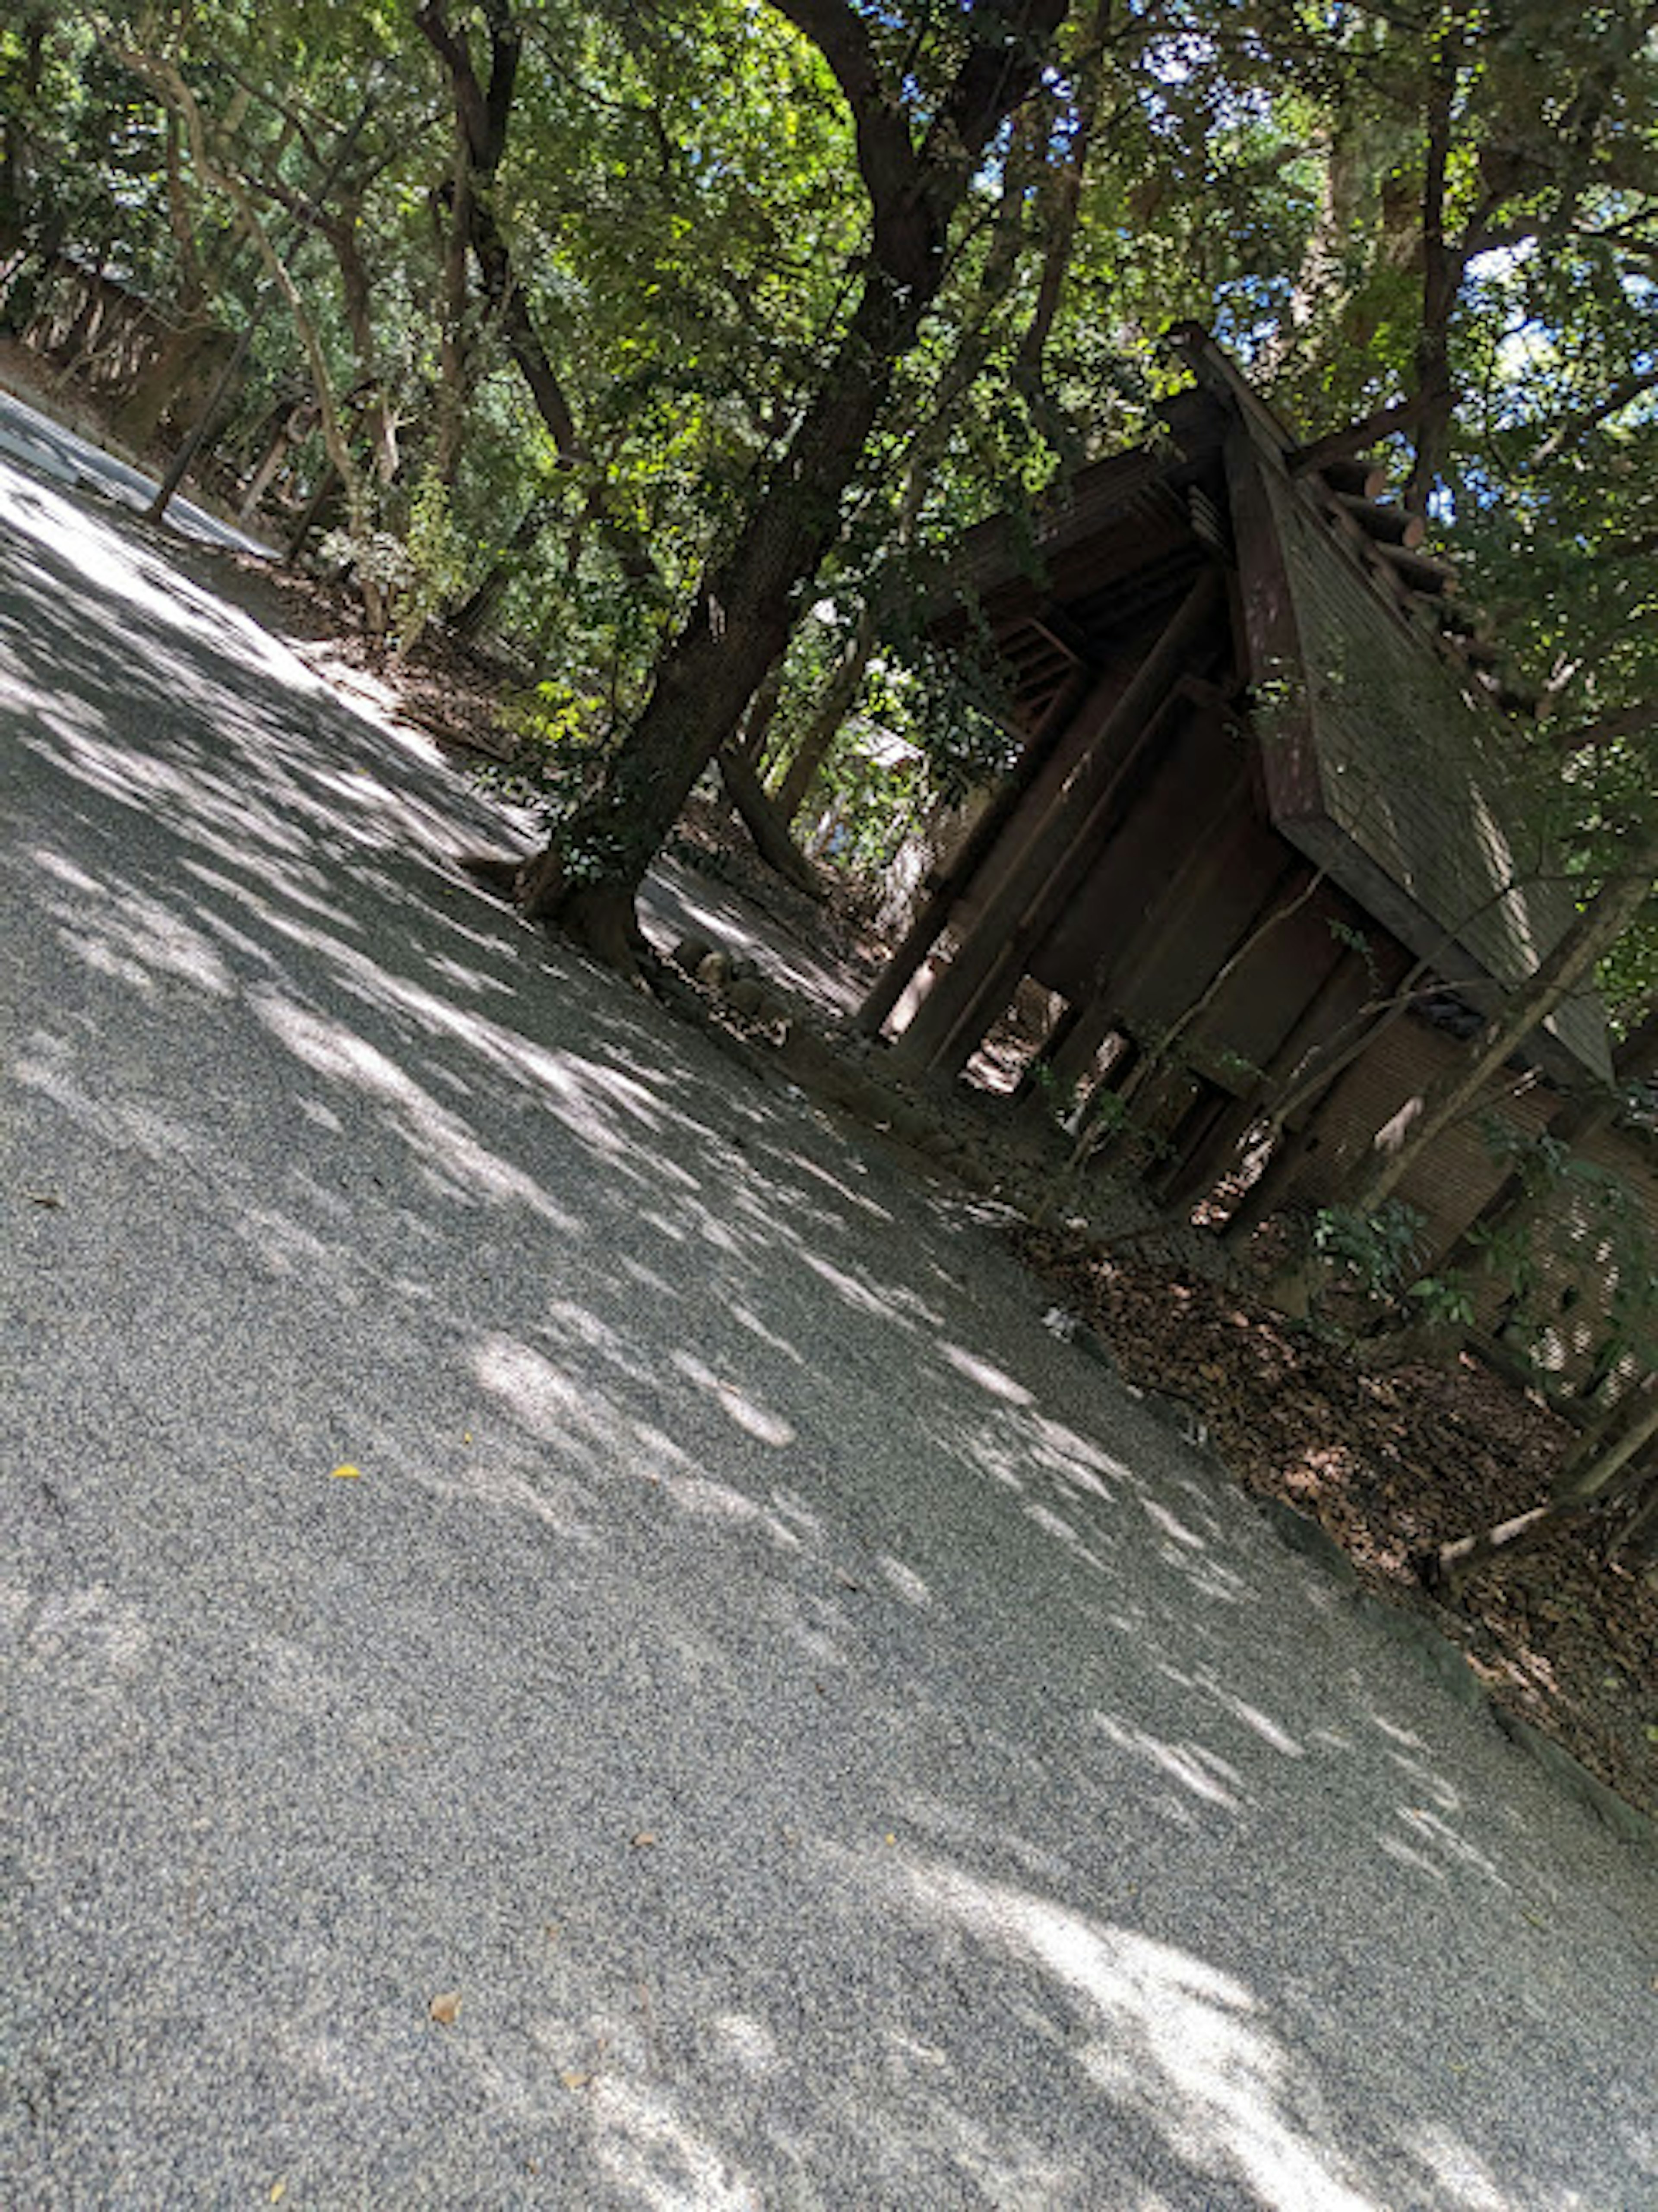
(1392, 1466)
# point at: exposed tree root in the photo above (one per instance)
(601, 918)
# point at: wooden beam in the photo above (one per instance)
(968, 997)
(1346, 977)
(1457, 619)
(1390, 524)
(1422, 572)
(1276, 1179)
(1355, 438)
(1056, 626)
(1357, 479)
(933, 917)
(1079, 1049)
(1212, 838)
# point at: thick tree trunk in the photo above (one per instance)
(765, 824)
(738, 626)
(746, 606)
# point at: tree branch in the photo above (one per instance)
(887, 158)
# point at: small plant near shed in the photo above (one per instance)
(1374, 1252)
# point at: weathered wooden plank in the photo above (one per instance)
(933, 918)
(967, 998)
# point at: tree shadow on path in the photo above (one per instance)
(840, 1749)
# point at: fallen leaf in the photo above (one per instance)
(644, 1841)
(347, 1472)
(278, 2190)
(574, 2079)
(43, 1197)
(446, 2007)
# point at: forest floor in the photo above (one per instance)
(1389, 1465)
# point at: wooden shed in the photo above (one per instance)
(1268, 772)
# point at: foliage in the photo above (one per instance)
(1368, 203)
(1375, 1251)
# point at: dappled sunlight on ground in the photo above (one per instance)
(823, 1730)
(1184, 2047)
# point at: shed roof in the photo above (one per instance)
(1385, 756)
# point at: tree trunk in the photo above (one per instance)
(1635, 1546)
(765, 824)
(1449, 1567)
(1603, 1453)
(468, 619)
(1594, 931)
(834, 703)
(1603, 1461)
(1442, 281)
(482, 114)
(738, 626)
(747, 602)
(751, 738)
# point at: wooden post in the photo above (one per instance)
(1292, 1148)
(327, 487)
(1025, 1089)
(942, 1039)
(276, 452)
(1070, 1055)
(1307, 1030)
(1024, 905)
(929, 925)
(1076, 1052)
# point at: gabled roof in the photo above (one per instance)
(1385, 756)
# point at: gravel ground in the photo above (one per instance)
(508, 1511)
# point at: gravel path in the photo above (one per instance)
(47, 450)
(819, 1741)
